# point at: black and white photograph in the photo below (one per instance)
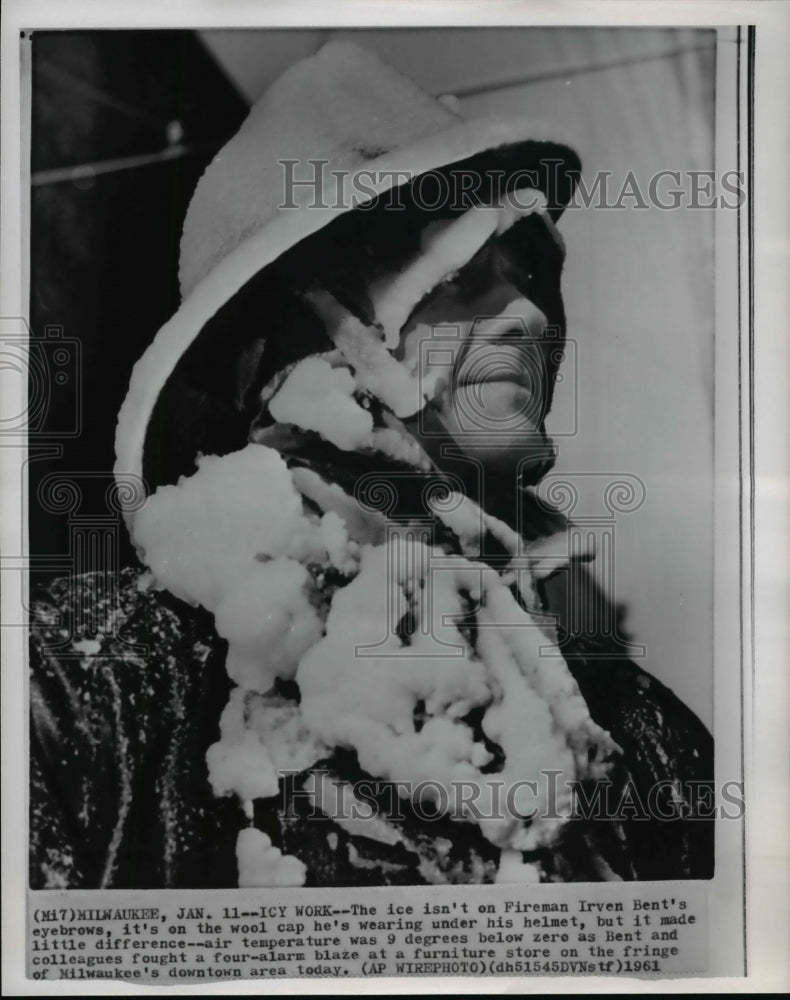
(382, 427)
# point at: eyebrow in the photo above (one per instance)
(475, 277)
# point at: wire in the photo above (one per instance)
(595, 67)
(85, 172)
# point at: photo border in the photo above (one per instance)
(762, 485)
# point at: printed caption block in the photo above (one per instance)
(647, 929)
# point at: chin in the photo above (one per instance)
(528, 455)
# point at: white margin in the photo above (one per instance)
(767, 759)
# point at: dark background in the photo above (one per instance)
(123, 123)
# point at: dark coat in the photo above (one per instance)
(120, 796)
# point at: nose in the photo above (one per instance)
(512, 333)
(519, 321)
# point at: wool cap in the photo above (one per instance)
(347, 126)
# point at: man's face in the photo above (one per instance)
(488, 355)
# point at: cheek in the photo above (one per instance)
(496, 425)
